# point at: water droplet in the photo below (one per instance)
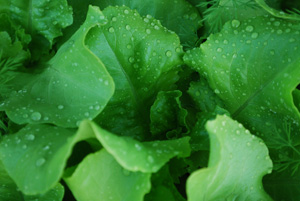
(249, 28)
(111, 30)
(193, 16)
(126, 11)
(114, 19)
(128, 46)
(291, 40)
(127, 27)
(46, 147)
(168, 53)
(279, 31)
(40, 162)
(131, 59)
(248, 144)
(238, 132)
(178, 49)
(30, 137)
(217, 91)
(287, 30)
(219, 49)
(60, 107)
(254, 35)
(150, 159)
(36, 116)
(138, 147)
(272, 52)
(235, 23)
(277, 23)
(148, 31)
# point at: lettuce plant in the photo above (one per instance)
(162, 100)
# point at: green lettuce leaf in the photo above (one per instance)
(143, 58)
(99, 177)
(237, 163)
(10, 192)
(253, 67)
(36, 156)
(167, 115)
(72, 86)
(43, 17)
(182, 17)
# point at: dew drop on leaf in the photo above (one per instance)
(249, 28)
(36, 116)
(30, 137)
(168, 53)
(111, 30)
(40, 162)
(235, 23)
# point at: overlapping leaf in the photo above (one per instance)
(72, 86)
(253, 66)
(99, 177)
(43, 17)
(237, 163)
(143, 58)
(40, 153)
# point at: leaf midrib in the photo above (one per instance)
(257, 92)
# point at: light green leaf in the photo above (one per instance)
(36, 156)
(253, 66)
(143, 58)
(72, 86)
(43, 17)
(144, 157)
(10, 192)
(237, 163)
(181, 17)
(99, 177)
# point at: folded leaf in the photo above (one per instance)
(72, 86)
(143, 58)
(184, 22)
(99, 177)
(36, 156)
(144, 157)
(10, 192)
(237, 163)
(167, 115)
(253, 66)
